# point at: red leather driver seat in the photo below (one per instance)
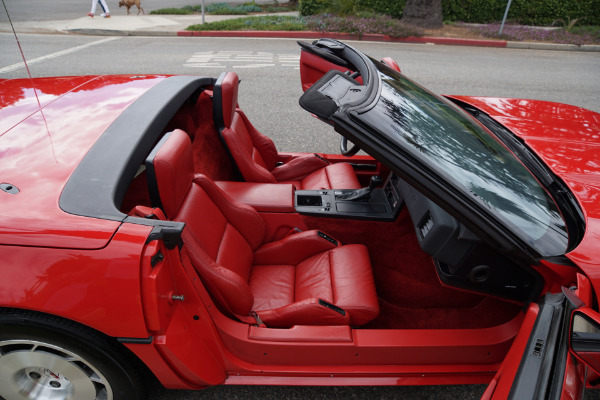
(256, 156)
(304, 279)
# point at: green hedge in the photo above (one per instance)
(526, 12)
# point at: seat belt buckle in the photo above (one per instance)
(259, 321)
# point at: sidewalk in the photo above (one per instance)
(174, 25)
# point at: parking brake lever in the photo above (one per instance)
(363, 193)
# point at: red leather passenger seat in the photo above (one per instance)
(304, 279)
(256, 156)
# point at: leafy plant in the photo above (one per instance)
(569, 23)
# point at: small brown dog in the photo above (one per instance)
(131, 3)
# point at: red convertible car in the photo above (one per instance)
(150, 231)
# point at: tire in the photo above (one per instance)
(44, 357)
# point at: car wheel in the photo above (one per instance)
(43, 357)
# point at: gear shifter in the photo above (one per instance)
(363, 193)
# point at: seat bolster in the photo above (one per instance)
(241, 216)
(229, 96)
(251, 171)
(293, 249)
(262, 143)
(305, 312)
(173, 166)
(298, 167)
(228, 289)
(334, 176)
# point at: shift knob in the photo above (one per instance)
(376, 180)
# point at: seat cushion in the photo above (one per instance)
(333, 176)
(341, 276)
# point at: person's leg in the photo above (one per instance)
(104, 7)
(94, 4)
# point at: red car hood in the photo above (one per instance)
(40, 150)
(567, 138)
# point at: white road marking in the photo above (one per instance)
(54, 55)
(241, 59)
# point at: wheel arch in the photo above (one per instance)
(70, 328)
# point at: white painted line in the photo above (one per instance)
(54, 55)
(254, 66)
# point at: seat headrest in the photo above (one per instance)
(225, 97)
(170, 171)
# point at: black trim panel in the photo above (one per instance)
(147, 340)
(542, 369)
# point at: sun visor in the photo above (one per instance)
(333, 90)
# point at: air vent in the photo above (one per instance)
(426, 225)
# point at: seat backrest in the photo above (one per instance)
(254, 153)
(220, 235)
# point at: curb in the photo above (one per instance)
(343, 36)
(385, 38)
(113, 32)
(346, 36)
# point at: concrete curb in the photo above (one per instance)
(334, 35)
(114, 32)
(345, 36)
(385, 38)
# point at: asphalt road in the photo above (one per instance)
(269, 94)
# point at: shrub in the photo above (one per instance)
(312, 7)
(393, 8)
(526, 12)
(379, 24)
(520, 32)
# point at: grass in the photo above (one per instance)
(172, 11)
(226, 9)
(265, 23)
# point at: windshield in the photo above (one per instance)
(455, 146)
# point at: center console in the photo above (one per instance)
(382, 204)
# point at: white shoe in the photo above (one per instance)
(105, 15)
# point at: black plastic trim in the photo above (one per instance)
(96, 191)
(147, 340)
(542, 369)
(151, 173)
(218, 104)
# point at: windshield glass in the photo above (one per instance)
(450, 142)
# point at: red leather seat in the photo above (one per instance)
(256, 156)
(303, 279)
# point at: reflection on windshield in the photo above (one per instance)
(450, 142)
